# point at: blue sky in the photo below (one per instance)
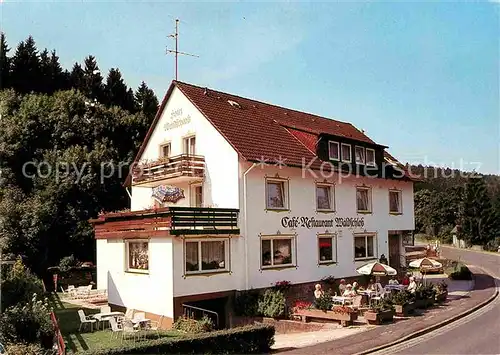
(421, 78)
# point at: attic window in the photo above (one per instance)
(234, 103)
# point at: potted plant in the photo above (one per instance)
(429, 295)
(441, 292)
(380, 313)
(346, 315)
(404, 303)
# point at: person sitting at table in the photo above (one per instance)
(348, 291)
(355, 287)
(342, 287)
(413, 285)
(393, 281)
(371, 285)
(406, 279)
(318, 292)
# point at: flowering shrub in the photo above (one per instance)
(27, 323)
(282, 286)
(302, 305)
(190, 325)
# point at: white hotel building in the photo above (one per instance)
(234, 194)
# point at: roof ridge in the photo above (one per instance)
(268, 104)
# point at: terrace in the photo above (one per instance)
(167, 221)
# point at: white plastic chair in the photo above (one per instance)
(105, 309)
(85, 320)
(115, 327)
(129, 329)
(155, 326)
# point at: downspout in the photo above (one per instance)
(245, 236)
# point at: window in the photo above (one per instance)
(276, 194)
(359, 153)
(197, 195)
(327, 248)
(190, 145)
(364, 247)
(395, 201)
(137, 254)
(370, 157)
(363, 199)
(206, 256)
(165, 150)
(346, 153)
(333, 150)
(277, 251)
(324, 197)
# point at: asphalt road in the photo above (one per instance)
(480, 334)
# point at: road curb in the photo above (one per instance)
(435, 326)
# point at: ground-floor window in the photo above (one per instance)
(327, 248)
(137, 255)
(364, 246)
(206, 255)
(277, 251)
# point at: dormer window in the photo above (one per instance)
(359, 153)
(333, 150)
(346, 153)
(370, 157)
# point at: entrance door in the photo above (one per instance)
(394, 252)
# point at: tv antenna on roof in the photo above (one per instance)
(176, 51)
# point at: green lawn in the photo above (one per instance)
(76, 341)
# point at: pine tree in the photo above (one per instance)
(58, 77)
(76, 77)
(92, 80)
(44, 84)
(116, 90)
(4, 62)
(25, 67)
(146, 100)
(478, 216)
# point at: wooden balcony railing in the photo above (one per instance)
(167, 168)
(166, 221)
(198, 220)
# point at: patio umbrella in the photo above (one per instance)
(376, 269)
(425, 264)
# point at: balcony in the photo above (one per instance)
(165, 222)
(180, 168)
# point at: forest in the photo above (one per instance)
(67, 137)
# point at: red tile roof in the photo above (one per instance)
(260, 131)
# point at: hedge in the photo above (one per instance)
(251, 339)
(459, 272)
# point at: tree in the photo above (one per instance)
(76, 77)
(478, 216)
(117, 92)
(25, 67)
(45, 76)
(92, 80)
(4, 62)
(146, 101)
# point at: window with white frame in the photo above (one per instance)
(190, 145)
(333, 150)
(197, 195)
(359, 155)
(364, 199)
(137, 255)
(364, 246)
(327, 248)
(370, 157)
(325, 197)
(276, 194)
(395, 205)
(165, 150)
(277, 251)
(346, 152)
(203, 256)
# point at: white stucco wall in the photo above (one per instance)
(150, 292)
(220, 186)
(302, 203)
